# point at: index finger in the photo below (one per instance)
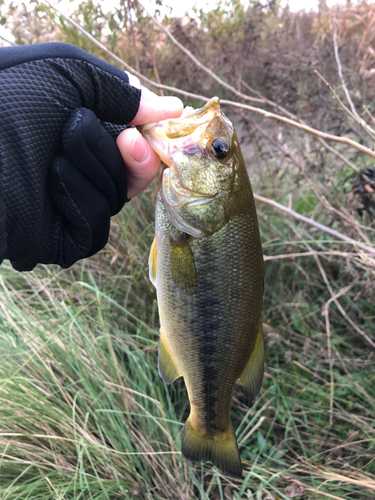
(154, 108)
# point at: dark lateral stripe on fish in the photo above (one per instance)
(208, 355)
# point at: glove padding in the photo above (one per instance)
(61, 171)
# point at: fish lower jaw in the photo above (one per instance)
(148, 126)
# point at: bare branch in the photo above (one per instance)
(349, 219)
(339, 306)
(328, 331)
(8, 41)
(362, 123)
(338, 62)
(358, 119)
(339, 155)
(369, 114)
(305, 128)
(286, 153)
(199, 64)
(123, 63)
(312, 222)
(294, 117)
(267, 114)
(309, 254)
(327, 84)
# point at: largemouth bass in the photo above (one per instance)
(207, 266)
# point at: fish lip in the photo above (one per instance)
(214, 101)
(147, 126)
(203, 116)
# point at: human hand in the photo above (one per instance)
(62, 175)
(142, 163)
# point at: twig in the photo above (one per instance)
(312, 222)
(8, 41)
(369, 114)
(294, 117)
(299, 164)
(266, 114)
(339, 155)
(308, 254)
(198, 63)
(286, 153)
(339, 68)
(302, 126)
(345, 108)
(123, 63)
(370, 131)
(339, 306)
(328, 330)
(351, 221)
(253, 429)
(268, 101)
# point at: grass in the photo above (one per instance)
(84, 414)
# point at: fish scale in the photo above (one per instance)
(209, 279)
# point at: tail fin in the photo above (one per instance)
(221, 450)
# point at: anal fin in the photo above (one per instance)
(252, 376)
(168, 370)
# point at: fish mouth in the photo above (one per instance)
(213, 104)
(192, 120)
(148, 126)
(180, 134)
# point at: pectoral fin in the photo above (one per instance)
(182, 264)
(252, 375)
(168, 370)
(152, 260)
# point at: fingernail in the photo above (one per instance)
(140, 150)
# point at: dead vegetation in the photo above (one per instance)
(300, 88)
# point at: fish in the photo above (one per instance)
(206, 263)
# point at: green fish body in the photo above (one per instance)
(207, 266)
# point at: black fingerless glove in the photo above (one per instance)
(61, 172)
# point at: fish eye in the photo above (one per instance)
(220, 148)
